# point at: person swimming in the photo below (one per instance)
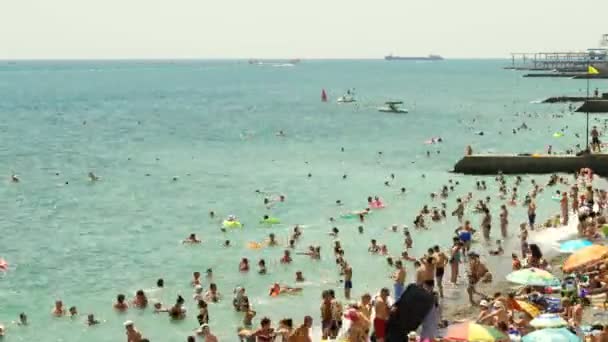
(93, 177)
(192, 239)
(277, 289)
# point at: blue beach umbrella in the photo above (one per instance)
(551, 335)
(574, 245)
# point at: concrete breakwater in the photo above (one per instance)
(532, 164)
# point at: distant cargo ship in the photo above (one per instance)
(400, 58)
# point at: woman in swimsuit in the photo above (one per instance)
(266, 332)
(455, 260)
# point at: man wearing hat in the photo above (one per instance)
(132, 334)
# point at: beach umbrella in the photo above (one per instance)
(533, 277)
(469, 331)
(586, 256)
(574, 245)
(548, 321)
(551, 335)
(528, 308)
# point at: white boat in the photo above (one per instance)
(346, 99)
(393, 107)
(349, 97)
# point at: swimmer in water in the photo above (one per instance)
(58, 310)
(271, 240)
(93, 177)
(299, 277)
(360, 229)
(334, 232)
(261, 266)
(196, 278)
(226, 243)
(91, 320)
(211, 214)
(286, 258)
(373, 248)
(409, 242)
(383, 250)
(140, 300)
(280, 134)
(73, 312)
(158, 308)
(406, 256)
(244, 265)
(120, 305)
(22, 319)
(338, 203)
(14, 178)
(192, 239)
(277, 289)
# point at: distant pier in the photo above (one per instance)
(531, 164)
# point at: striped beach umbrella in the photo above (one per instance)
(551, 335)
(584, 257)
(473, 332)
(533, 277)
(548, 321)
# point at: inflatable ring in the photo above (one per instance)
(232, 224)
(271, 220)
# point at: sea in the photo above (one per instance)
(173, 140)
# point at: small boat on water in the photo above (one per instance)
(393, 107)
(349, 97)
(346, 99)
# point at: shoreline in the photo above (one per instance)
(465, 311)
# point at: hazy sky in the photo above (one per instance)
(288, 28)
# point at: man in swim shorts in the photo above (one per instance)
(399, 278)
(348, 275)
(427, 270)
(326, 315)
(382, 314)
(441, 260)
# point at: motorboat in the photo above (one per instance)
(349, 97)
(346, 99)
(393, 107)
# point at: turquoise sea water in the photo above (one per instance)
(213, 125)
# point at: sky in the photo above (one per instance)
(117, 29)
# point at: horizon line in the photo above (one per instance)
(225, 59)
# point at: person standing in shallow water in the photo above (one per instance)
(348, 276)
(504, 220)
(486, 224)
(564, 207)
(399, 279)
(531, 214)
(455, 257)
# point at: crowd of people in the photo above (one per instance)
(367, 317)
